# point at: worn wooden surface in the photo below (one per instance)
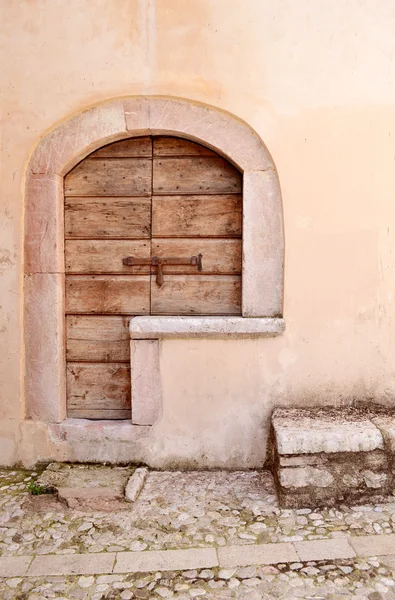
(102, 389)
(196, 216)
(197, 295)
(130, 148)
(107, 217)
(109, 214)
(105, 256)
(198, 175)
(220, 257)
(101, 294)
(172, 146)
(97, 338)
(110, 177)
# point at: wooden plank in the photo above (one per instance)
(196, 216)
(98, 387)
(102, 294)
(218, 256)
(130, 148)
(105, 256)
(108, 217)
(172, 146)
(200, 175)
(97, 339)
(194, 294)
(110, 177)
(99, 414)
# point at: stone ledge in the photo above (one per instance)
(204, 327)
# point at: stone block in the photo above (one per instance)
(386, 424)
(298, 477)
(374, 545)
(135, 484)
(14, 566)
(72, 564)
(146, 382)
(375, 480)
(166, 560)
(298, 432)
(333, 549)
(256, 554)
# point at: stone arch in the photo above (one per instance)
(61, 149)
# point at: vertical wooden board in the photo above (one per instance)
(110, 177)
(98, 387)
(129, 148)
(107, 217)
(101, 294)
(218, 256)
(172, 146)
(105, 256)
(197, 295)
(97, 339)
(196, 216)
(200, 175)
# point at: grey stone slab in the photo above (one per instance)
(374, 545)
(256, 554)
(14, 566)
(60, 475)
(72, 564)
(386, 424)
(204, 327)
(298, 432)
(331, 549)
(166, 560)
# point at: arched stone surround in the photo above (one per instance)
(61, 149)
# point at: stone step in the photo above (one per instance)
(329, 456)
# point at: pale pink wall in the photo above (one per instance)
(316, 81)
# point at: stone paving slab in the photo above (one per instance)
(325, 549)
(74, 564)
(14, 566)
(168, 560)
(257, 554)
(377, 545)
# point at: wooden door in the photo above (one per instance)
(142, 198)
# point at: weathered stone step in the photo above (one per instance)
(329, 456)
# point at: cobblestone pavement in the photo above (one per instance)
(185, 510)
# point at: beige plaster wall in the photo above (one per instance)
(315, 79)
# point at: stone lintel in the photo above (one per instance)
(145, 328)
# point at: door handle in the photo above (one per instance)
(158, 262)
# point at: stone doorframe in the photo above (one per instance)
(60, 150)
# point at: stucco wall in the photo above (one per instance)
(316, 82)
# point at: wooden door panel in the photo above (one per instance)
(130, 148)
(101, 294)
(194, 295)
(172, 146)
(196, 216)
(219, 257)
(110, 177)
(105, 256)
(107, 217)
(98, 390)
(200, 175)
(97, 338)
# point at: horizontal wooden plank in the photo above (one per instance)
(97, 339)
(200, 175)
(107, 217)
(172, 146)
(130, 148)
(98, 387)
(100, 414)
(197, 295)
(105, 256)
(218, 256)
(110, 177)
(196, 216)
(103, 294)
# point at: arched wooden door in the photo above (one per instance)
(152, 226)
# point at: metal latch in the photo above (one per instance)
(156, 261)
